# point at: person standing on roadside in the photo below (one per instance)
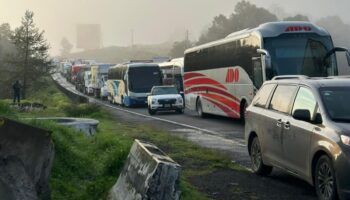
(16, 92)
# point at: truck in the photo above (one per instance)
(99, 74)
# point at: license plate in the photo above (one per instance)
(167, 105)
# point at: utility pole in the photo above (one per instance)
(132, 37)
(187, 40)
(187, 35)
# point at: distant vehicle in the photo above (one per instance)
(65, 68)
(302, 125)
(104, 88)
(77, 76)
(99, 74)
(173, 72)
(222, 77)
(163, 98)
(129, 83)
(88, 87)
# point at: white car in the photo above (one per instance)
(164, 98)
(104, 92)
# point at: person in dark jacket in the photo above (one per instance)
(16, 92)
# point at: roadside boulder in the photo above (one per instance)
(147, 174)
(26, 157)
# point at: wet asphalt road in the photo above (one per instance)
(219, 133)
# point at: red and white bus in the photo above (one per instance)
(221, 77)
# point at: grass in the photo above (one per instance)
(87, 167)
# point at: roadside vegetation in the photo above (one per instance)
(87, 167)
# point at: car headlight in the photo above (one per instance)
(153, 101)
(179, 100)
(345, 139)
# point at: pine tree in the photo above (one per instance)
(32, 52)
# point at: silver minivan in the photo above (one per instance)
(302, 125)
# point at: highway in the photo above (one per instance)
(220, 133)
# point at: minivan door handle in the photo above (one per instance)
(286, 125)
(279, 123)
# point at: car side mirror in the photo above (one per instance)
(318, 119)
(302, 114)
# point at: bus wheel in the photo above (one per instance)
(243, 108)
(122, 102)
(199, 108)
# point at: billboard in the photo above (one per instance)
(89, 36)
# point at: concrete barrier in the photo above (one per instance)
(69, 89)
(147, 174)
(87, 126)
(26, 156)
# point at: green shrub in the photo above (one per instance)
(85, 167)
(74, 110)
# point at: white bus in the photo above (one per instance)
(221, 77)
(129, 83)
(173, 72)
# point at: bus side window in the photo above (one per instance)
(257, 72)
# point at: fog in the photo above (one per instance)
(152, 21)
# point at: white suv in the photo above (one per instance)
(164, 98)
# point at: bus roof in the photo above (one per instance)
(270, 29)
(136, 65)
(173, 62)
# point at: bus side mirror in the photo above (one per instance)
(348, 57)
(266, 56)
(338, 49)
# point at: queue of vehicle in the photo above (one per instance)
(299, 124)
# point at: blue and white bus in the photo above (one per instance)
(129, 83)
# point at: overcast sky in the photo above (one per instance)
(153, 21)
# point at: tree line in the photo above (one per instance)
(23, 56)
(248, 15)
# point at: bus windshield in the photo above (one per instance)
(142, 79)
(300, 53)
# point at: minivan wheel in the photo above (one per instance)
(258, 166)
(325, 183)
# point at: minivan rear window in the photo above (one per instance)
(282, 98)
(263, 95)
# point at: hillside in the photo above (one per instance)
(117, 54)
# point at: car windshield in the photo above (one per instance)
(164, 90)
(336, 101)
(300, 54)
